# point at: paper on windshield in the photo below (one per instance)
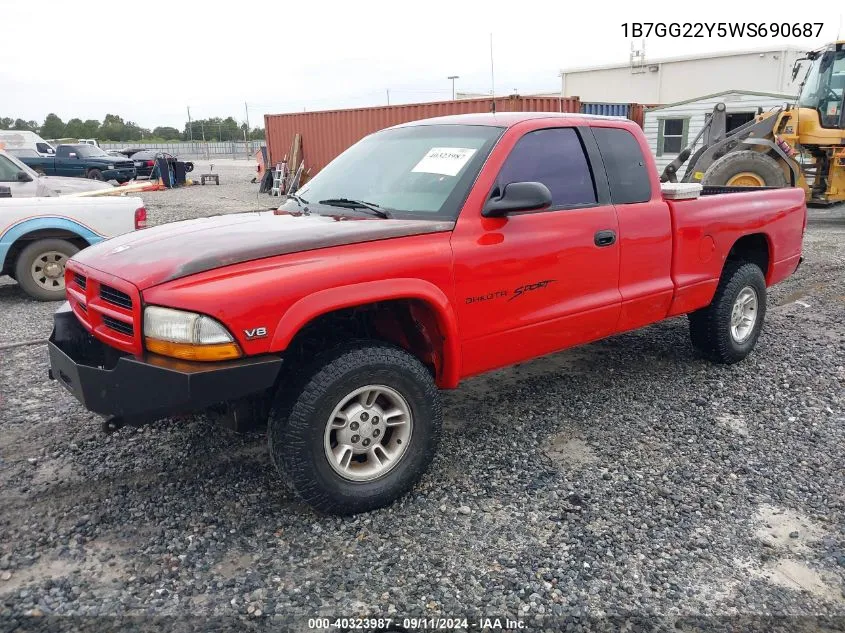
(444, 160)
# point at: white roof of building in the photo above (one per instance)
(755, 93)
(684, 58)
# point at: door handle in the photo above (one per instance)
(605, 238)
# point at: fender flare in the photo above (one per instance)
(314, 305)
(13, 233)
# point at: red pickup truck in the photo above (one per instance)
(424, 254)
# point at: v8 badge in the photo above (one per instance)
(258, 332)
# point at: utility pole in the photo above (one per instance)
(453, 77)
(190, 125)
(202, 126)
(388, 96)
(246, 111)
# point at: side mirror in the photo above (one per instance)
(22, 176)
(518, 196)
(50, 150)
(71, 155)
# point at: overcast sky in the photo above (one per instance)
(85, 60)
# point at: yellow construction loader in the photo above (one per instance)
(798, 145)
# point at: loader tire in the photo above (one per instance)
(746, 168)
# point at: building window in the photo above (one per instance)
(672, 136)
(733, 120)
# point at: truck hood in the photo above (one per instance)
(170, 251)
(58, 185)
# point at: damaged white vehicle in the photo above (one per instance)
(24, 182)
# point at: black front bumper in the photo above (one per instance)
(112, 383)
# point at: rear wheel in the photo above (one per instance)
(40, 268)
(746, 168)
(360, 431)
(95, 174)
(727, 330)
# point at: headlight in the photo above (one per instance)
(110, 167)
(187, 335)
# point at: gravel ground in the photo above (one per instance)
(626, 477)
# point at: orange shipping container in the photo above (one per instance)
(326, 134)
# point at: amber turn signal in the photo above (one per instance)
(184, 351)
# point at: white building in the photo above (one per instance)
(670, 127)
(676, 79)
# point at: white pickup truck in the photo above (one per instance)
(24, 182)
(38, 235)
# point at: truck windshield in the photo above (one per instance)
(11, 155)
(89, 151)
(823, 89)
(416, 171)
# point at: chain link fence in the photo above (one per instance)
(196, 149)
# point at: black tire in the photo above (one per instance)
(730, 165)
(298, 422)
(25, 261)
(710, 327)
(94, 174)
(189, 167)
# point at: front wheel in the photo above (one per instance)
(727, 330)
(361, 431)
(40, 268)
(95, 174)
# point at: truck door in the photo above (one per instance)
(645, 227)
(67, 165)
(9, 178)
(536, 282)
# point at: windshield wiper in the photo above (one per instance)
(297, 199)
(346, 203)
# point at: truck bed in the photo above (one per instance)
(705, 229)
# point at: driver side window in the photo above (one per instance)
(8, 170)
(556, 158)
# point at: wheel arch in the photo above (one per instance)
(755, 248)
(434, 336)
(16, 238)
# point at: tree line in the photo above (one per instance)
(113, 128)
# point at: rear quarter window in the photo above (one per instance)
(625, 165)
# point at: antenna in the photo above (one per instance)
(492, 78)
